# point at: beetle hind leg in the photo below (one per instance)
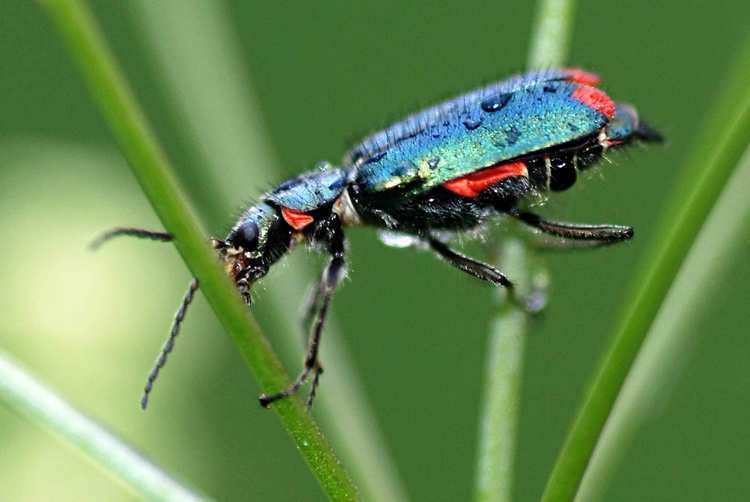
(593, 235)
(485, 272)
(468, 265)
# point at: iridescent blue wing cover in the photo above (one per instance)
(486, 127)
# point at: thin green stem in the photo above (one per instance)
(715, 155)
(151, 167)
(222, 127)
(552, 33)
(673, 338)
(501, 404)
(26, 396)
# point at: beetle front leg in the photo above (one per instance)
(316, 313)
(311, 307)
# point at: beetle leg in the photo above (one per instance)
(595, 234)
(316, 313)
(311, 307)
(317, 316)
(471, 266)
(486, 272)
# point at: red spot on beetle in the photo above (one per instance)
(581, 76)
(472, 184)
(296, 219)
(596, 99)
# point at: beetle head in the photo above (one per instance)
(626, 127)
(258, 239)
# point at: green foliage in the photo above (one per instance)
(501, 470)
(29, 398)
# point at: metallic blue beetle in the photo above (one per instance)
(443, 170)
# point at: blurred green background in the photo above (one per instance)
(322, 75)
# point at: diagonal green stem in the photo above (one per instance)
(223, 128)
(714, 158)
(501, 406)
(151, 167)
(29, 398)
(673, 338)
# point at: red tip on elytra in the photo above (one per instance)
(582, 76)
(596, 99)
(472, 184)
(296, 219)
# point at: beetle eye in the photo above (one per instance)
(246, 236)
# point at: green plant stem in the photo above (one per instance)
(551, 35)
(672, 339)
(502, 400)
(150, 166)
(29, 398)
(222, 127)
(709, 167)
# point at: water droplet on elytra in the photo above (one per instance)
(375, 158)
(433, 163)
(471, 124)
(495, 103)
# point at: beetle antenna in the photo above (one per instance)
(130, 232)
(169, 344)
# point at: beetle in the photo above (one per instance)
(439, 172)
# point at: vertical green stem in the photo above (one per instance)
(29, 398)
(151, 167)
(713, 159)
(552, 33)
(501, 403)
